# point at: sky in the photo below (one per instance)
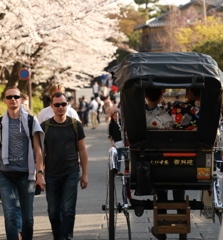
(174, 2)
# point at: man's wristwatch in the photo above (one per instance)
(41, 171)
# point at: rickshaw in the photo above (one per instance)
(165, 159)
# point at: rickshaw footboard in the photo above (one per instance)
(140, 205)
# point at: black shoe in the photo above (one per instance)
(120, 174)
(157, 235)
(183, 237)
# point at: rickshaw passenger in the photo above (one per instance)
(185, 115)
(156, 117)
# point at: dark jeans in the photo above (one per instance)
(98, 117)
(217, 156)
(86, 117)
(61, 195)
(81, 116)
(26, 196)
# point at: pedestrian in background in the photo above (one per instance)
(17, 165)
(96, 89)
(85, 109)
(25, 102)
(103, 90)
(47, 112)
(64, 139)
(114, 136)
(109, 80)
(93, 111)
(80, 112)
(99, 109)
(107, 107)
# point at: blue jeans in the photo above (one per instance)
(61, 195)
(18, 211)
(120, 152)
(26, 196)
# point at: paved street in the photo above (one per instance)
(90, 219)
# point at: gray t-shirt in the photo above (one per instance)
(18, 148)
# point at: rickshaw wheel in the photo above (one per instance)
(111, 204)
(125, 211)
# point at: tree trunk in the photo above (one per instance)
(23, 86)
(13, 78)
(147, 4)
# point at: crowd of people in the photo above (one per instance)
(103, 101)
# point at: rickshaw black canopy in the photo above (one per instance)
(169, 70)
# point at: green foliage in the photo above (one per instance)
(2, 107)
(199, 33)
(2, 88)
(146, 2)
(37, 105)
(212, 48)
(134, 39)
(139, 2)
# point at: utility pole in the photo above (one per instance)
(204, 9)
(28, 53)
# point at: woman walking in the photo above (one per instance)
(114, 135)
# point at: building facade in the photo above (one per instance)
(157, 33)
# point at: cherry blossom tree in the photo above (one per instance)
(71, 33)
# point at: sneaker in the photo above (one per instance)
(157, 235)
(183, 237)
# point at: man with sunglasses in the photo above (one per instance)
(47, 112)
(62, 145)
(17, 165)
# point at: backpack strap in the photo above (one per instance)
(74, 122)
(47, 124)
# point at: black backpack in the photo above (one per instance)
(30, 125)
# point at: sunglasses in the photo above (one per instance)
(63, 104)
(9, 97)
